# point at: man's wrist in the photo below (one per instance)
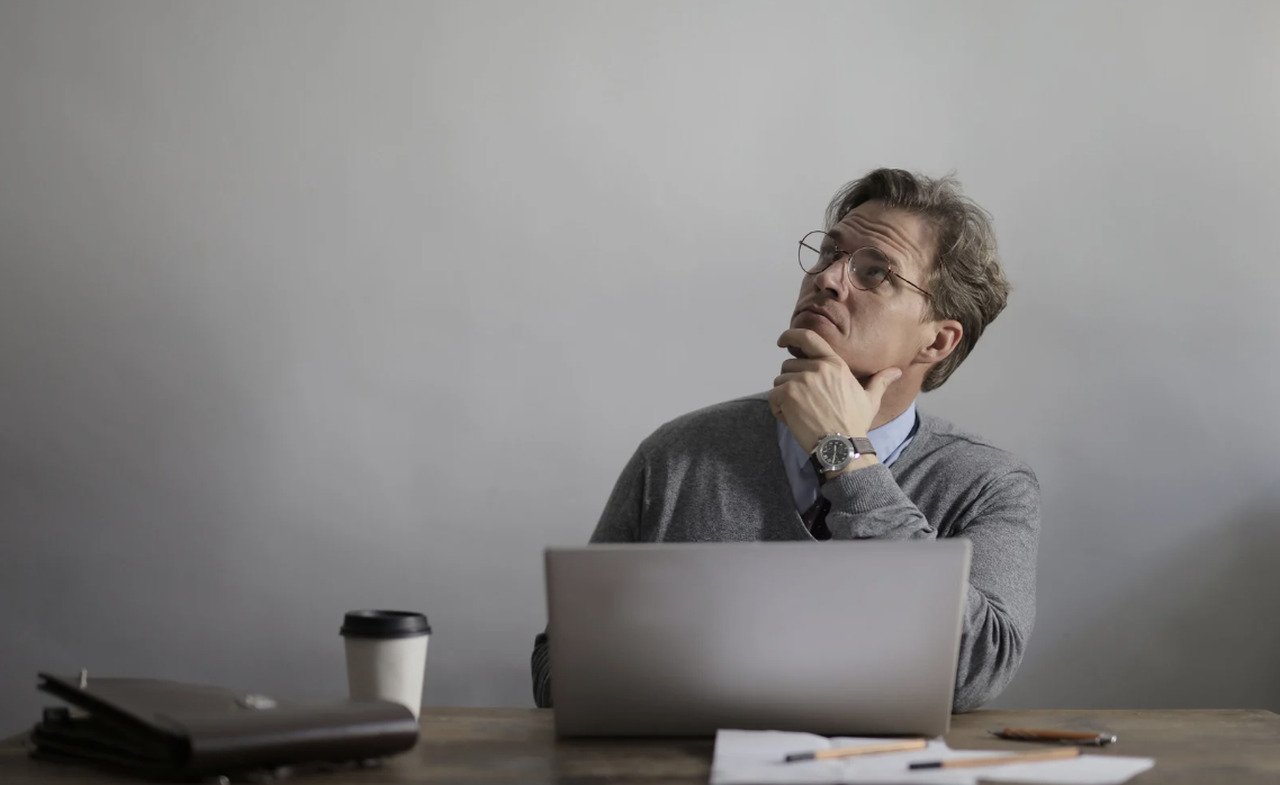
(838, 453)
(861, 462)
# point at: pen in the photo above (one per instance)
(1041, 734)
(864, 749)
(999, 760)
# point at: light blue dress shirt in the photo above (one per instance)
(889, 440)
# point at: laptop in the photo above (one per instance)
(836, 638)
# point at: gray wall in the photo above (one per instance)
(315, 306)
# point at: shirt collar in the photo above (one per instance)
(890, 436)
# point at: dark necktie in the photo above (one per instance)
(815, 518)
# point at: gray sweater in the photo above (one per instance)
(717, 475)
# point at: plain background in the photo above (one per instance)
(314, 306)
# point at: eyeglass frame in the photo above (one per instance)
(848, 262)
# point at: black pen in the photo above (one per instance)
(1092, 738)
(863, 749)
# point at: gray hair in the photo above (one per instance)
(965, 277)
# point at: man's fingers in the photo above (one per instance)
(775, 403)
(798, 366)
(807, 342)
(790, 376)
(877, 385)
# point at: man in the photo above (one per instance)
(895, 294)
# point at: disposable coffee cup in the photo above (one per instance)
(386, 656)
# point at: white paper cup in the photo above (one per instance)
(386, 656)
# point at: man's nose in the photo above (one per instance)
(834, 279)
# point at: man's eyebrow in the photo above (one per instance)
(888, 258)
(878, 251)
(835, 233)
(891, 260)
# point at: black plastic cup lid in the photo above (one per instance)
(384, 624)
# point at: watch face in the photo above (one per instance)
(834, 452)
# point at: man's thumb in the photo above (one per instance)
(880, 382)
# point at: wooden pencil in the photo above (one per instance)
(1000, 760)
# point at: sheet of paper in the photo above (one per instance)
(757, 758)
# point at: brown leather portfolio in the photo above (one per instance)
(170, 730)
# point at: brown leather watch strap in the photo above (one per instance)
(863, 446)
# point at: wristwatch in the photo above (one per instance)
(835, 450)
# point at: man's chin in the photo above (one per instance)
(819, 324)
(834, 338)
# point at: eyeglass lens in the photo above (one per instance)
(867, 268)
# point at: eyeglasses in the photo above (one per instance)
(865, 268)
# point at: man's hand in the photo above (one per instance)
(817, 394)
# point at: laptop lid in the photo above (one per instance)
(837, 638)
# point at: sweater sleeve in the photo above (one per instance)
(620, 522)
(869, 504)
(1002, 524)
(541, 664)
(1000, 610)
(621, 519)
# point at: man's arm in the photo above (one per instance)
(868, 503)
(816, 394)
(623, 513)
(620, 522)
(1001, 607)
(541, 665)
(1002, 525)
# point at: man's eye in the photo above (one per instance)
(875, 272)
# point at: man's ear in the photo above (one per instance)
(946, 337)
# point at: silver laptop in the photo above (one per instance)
(837, 638)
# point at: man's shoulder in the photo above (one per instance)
(738, 418)
(964, 450)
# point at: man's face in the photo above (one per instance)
(872, 330)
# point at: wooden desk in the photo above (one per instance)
(510, 746)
